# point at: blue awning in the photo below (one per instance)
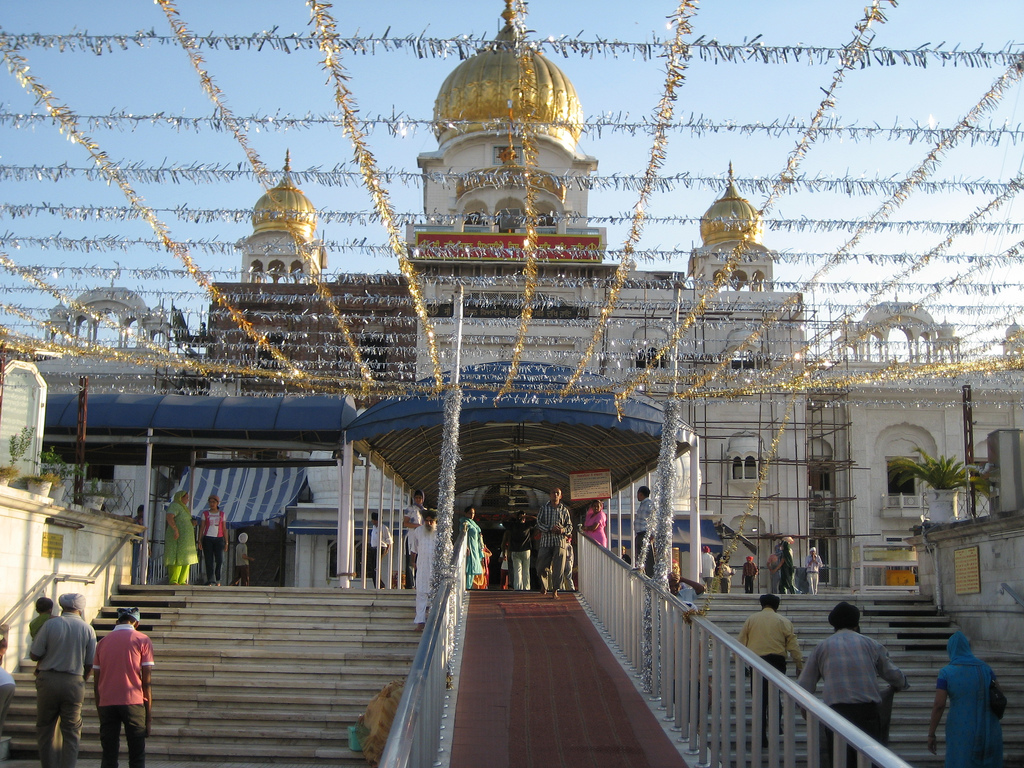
(321, 418)
(534, 398)
(680, 532)
(248, 495)
(531, 437)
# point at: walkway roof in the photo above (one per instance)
(529, 439)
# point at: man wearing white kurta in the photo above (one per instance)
(421, 546)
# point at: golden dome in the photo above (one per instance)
(731, 218)
(479, 90)
(285, 208)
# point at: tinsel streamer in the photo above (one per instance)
(400, 125)
(187, 41)
(675, 69)
(327, 41)
(101, 319)
(464, 46)
(65, 118)
(209, 173)
(931, 161)
(444, 568)
(854, 53)
(524, 121)
(663, 496)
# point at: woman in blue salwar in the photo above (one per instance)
(474, 546)
(974, 737)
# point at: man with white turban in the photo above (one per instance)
(64, 649)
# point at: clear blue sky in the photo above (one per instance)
(158, 78)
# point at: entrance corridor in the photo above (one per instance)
(539, 688)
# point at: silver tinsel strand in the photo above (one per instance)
(663, 495)
(444, 567)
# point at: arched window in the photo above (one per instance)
(750, 468)
(737, 468)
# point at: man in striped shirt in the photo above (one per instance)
(555, 526)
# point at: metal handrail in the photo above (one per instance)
(700, 674)
(1006, 589)
(415, 736)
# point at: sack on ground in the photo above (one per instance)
(377, 719)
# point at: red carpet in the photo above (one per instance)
(539, 689)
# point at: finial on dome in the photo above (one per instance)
(288, 161)
(509, 14)
(731, 176)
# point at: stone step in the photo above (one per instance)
(253, 674)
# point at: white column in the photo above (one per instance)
(346, 530)
(695, 539)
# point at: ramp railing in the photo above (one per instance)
(415, 738)
(709, 685)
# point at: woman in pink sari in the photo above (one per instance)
(596, 522)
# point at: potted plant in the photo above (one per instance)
(19, 445)
(96, 494)
(53, 463)
(7, 473)
(40, 484)
(944, 475)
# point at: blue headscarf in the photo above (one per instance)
(959, 649)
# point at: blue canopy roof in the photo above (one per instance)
(118, 424)
(531, 437)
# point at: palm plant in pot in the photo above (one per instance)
(19, 445)
(944, 475)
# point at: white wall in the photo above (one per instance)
(988, 618)
(23, 521)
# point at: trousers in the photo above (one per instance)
(133, 717)
(520, 564)
(213, 552)
(59, 697)
(551, 567)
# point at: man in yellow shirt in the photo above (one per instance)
(771, 637)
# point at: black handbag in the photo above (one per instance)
(996, 700)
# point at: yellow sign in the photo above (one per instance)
(53, 545)
(590, 485)
(967, 571)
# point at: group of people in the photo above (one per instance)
(782, 569)
(66, 654)
(182, 547)
(849, 665)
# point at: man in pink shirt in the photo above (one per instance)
(122, 672)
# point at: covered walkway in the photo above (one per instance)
(539, 687)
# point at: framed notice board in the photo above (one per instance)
(967, 570)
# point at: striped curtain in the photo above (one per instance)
(248, 495)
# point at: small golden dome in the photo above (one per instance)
(479, 90)
(285, 208)
(731, 218)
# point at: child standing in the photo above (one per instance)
(242, 561)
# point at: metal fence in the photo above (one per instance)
(709, 684)
(416, 736)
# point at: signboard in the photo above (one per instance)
(596, 484)
(53, 545)
(967, 571)
(505, 246)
